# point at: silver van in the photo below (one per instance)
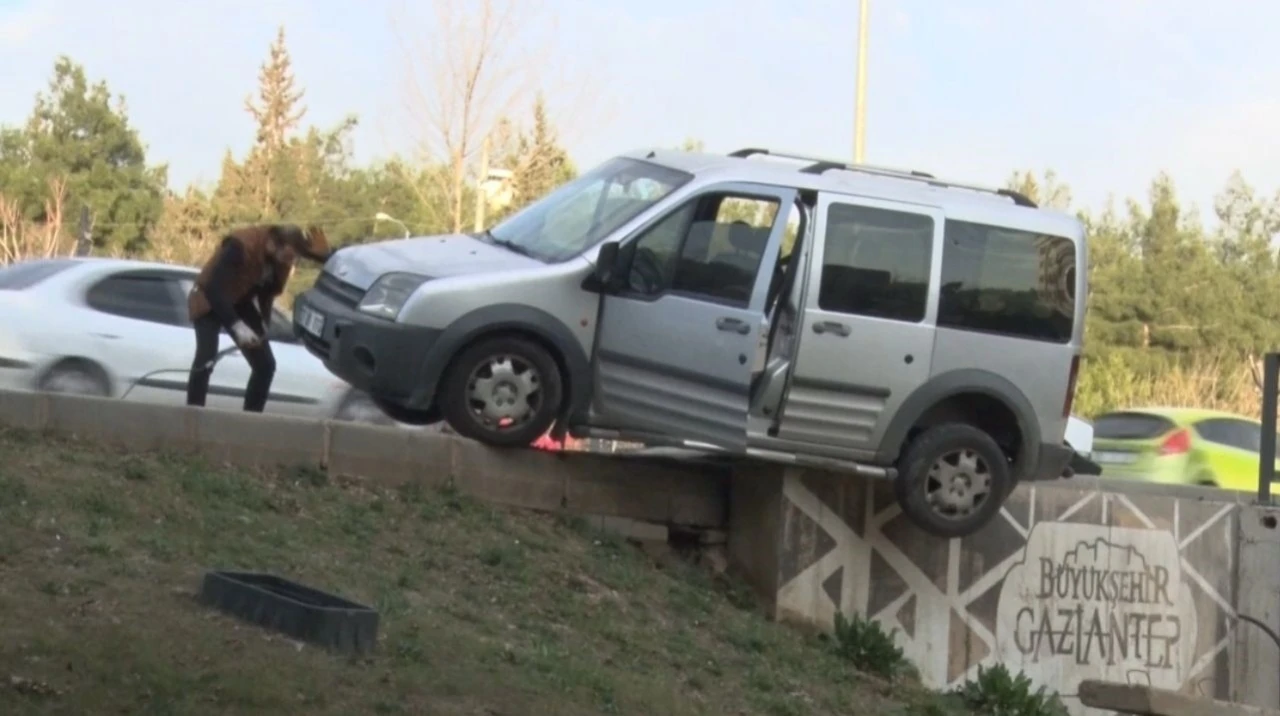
(799, 310)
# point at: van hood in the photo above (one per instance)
(431, 256)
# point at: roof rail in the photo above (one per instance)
(818, 165)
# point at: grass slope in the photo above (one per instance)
(484, 611)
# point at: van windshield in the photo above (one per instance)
(578, 214)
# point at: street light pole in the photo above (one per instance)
(384, 216)
(860, 107)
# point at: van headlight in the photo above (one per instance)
(388, 294)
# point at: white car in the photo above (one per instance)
(119, 328)
(1079, 438)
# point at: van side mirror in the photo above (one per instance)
(605, 274)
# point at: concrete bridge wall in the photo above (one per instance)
(1074, 580)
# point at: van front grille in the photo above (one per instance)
(340, 291)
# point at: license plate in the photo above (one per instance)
(311, 321)
(1120, 458)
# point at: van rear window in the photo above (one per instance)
(1131, 426)
(24, 275)
(1007, 282)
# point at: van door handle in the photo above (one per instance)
(835, 327)
(111, 336)
(737, 325)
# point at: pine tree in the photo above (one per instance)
(543, 164)
(278, 112)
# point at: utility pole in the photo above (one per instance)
(482, 180)
(860, 106)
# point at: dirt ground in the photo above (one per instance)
(483, 611)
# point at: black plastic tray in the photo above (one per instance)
(302, 612)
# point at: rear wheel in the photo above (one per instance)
(952, 480)
(1205, 479)
(76, 378)
(503, 391)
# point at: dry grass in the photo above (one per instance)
(483, 611)
(1218, 383)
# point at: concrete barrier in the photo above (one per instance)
(1079, 579)
(628, 493)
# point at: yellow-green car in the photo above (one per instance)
(1184, 446)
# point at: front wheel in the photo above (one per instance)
(952, 480)
(503, 391)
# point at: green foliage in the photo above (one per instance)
(537, 161)
(80, 134)
(287, 175)
(997, 692)
(1174, 309)
(866, 645)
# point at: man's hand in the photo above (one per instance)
(244, 336)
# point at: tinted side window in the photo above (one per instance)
(143, 298)
(876, 263)
(1131, 426)
(1240, 434)
(1008, 282)
(709, 248)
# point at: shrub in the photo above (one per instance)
(868, 647)
(996, 692)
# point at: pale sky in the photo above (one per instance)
(1105, 92)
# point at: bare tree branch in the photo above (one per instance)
(20, 239)
(476, 63)
(1255, 369)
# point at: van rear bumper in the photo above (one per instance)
(1081, 465)
(1054, 459)
(384, 359)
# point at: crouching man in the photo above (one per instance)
(235, 292)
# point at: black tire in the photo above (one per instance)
(302, 612)
(75, 377)
(937, 445)
(1205, 479)
(455, 392)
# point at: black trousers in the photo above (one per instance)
(261, 360)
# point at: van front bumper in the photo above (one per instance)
(386, 360)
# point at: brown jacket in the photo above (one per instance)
(248, 280)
